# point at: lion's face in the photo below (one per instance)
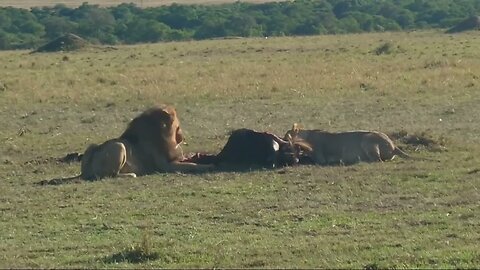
(158, 130)
(179, 135)
(169, 125)
(294, 149)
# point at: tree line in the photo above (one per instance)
(129, 24)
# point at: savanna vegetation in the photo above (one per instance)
(403, 213)
(140, 3)
(129, 24)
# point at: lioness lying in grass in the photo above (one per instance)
(346, 147)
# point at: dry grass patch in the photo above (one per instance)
(421, 140)
(388, 48)
(138, 253)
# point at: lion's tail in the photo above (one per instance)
(85, 168)
(60, 181)
(401, 153)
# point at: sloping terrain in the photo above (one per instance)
(472, 23)
(68, 42)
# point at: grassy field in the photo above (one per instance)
(402, 214)
(140, 3)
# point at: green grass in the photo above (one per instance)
(401, 214)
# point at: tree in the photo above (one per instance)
(58, 26)
(95, 22)
(350, 25)
(279, 24)
(179, 16)
(383, 24)
(147, 30)
(405, 18)
(5, 21)
(345, 6)
(32, 27)
(241, 25)
(4, 40)
(212, 26)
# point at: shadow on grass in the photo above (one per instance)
(372, 266)
(60, 181)
(133, 255)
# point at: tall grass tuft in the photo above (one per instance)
(137, 253)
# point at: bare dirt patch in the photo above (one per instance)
(418, 141)
(59, 181)
(68, 158)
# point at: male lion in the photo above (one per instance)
(149, 144)
(346, 147)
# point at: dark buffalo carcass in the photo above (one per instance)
(248, 148)
(252, 148)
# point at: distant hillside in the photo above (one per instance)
(68, 42)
